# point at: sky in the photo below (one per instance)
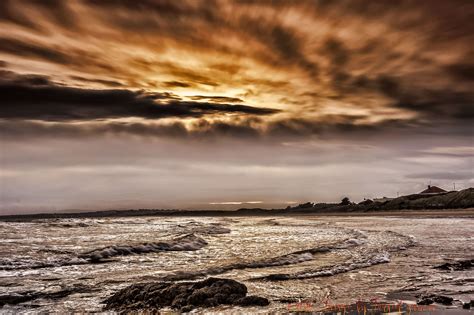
(109, 104)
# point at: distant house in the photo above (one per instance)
(432, 190)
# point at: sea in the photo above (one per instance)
(303, 263)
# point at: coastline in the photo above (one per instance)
(468, 212)
(454, 203)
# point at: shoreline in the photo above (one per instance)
(468, 212)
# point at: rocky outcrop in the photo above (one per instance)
(468, 305)
(450, 200)
(183, 296)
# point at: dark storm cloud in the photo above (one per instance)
(203, 129)
(337, 125)
(10, 77)
(34, 129)
(56, 10)
(189, 76)
(462, 71)
(431, 102)
(451, 19)
(172, 84)
(159, 17)
(217, 99)
(109, 83)
(9, 13)
(338, 57)
(59, 103)
(162, 7)
(254, 129)
(407, 93)
(283, 41)
(218, 129)
(73, 58)
(361, 55)
(336, 51)
(32, 50)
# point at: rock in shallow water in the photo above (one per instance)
(184, 296)
(430, 299)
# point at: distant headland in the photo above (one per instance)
(433, 198)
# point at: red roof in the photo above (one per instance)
(433, 190)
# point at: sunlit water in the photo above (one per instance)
(317, 259)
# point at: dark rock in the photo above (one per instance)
(187, 309)
(466, 306)
(425, 301)
(276, 277)
(440, 299)
(184, 296)
(445, 300)
(288, 300)
(14, 298)
(457, 266)
(252, 300)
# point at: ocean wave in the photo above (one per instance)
(376, 259)
(398, 242)
(19, 264)
(283, 260)
(22, 297)
(188, 242)
(405, 240)
(209, 229)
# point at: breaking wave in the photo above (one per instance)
(288, 259)
(188, 242)
(367, 259)
(18, 264)
(376, 259)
